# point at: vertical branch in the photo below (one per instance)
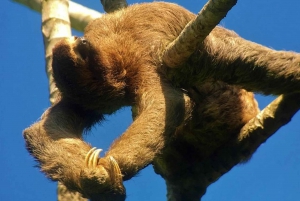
(113, 5)
(55, 26)
(196, 31)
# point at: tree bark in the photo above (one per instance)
(196, 31)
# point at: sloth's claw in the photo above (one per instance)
(91, 158)
(94, 159)
(115, 172)
(88, 155)
(101, 179)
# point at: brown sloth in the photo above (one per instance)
(185, 119)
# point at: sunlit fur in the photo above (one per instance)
(187, 119)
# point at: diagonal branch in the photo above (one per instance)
(277, 114)
(268, 121)
(196, 31)
(252, 135)
(80, 16)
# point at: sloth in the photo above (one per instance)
(185, 119)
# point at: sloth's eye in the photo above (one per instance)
(82, 47)
(83, 41)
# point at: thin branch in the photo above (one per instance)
(196, 31)
(113, 5)
(80, 16)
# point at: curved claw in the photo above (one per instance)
(103, 181)
(87, 157)
(115, 172)
(91, 158)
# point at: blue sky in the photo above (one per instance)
(273, 173)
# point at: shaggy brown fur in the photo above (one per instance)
(187, 118)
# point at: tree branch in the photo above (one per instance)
(80, 16)
(196, 31)
(113, 5)
(268, 121)
(55, 26)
